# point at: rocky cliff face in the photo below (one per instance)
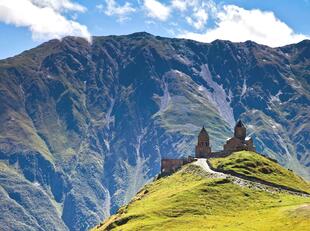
(83, 126)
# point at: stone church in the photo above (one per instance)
(238, 142)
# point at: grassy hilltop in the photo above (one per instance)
(257, 166)
(192, 199)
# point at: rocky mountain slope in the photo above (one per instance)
(83, 126)
(197, 198)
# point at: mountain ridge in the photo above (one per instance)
(95, 119)
(147, 34)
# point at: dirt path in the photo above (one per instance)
(201, 162)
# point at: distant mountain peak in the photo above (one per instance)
(141, 34)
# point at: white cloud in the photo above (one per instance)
(199, 19)
(157, 10)
(238, 25)
(195, 12)
(43, 18)
(112, 8)
(179, 4)
(100, 7)
(60, 5)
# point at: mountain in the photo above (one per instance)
(84, 126)
(198, 199)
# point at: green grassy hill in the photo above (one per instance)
(192, 200)
(254, 165)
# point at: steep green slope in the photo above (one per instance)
(254, 165)
(192, 199)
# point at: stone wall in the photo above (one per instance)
(219, 154)
(169, 166)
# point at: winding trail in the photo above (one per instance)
(201, 162)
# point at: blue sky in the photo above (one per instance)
(27, 23)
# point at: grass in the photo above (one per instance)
(254, 165)
(189, 200)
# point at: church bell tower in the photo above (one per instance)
(240, 130)
(203, 149)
